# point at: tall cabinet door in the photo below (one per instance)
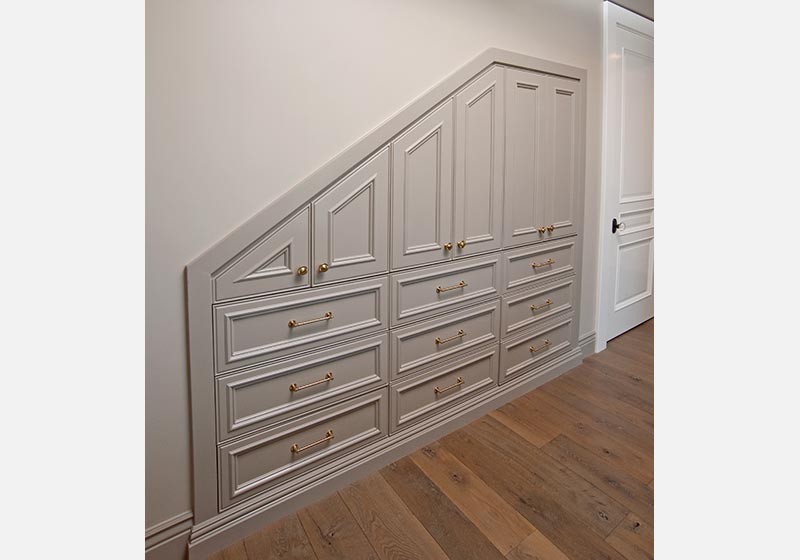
(422, 191)
(351, 231)
(563, 107)
(524, 218)
(478, 193)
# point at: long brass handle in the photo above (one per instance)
(327, 317)
(459, 334)
(328, 436)
(461, 284)
(548, 262)
(547, 303)
(459, 381)
(461, 244)
(542, 347)
(295, 387)
(550, 228)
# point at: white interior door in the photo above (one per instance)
(627, 234)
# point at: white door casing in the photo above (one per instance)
(626, 260)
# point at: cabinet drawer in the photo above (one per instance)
(544, 261)
(267, 328)
(422, 343)
(425, 394)
(520, 354)
(422, 293)
(522, 310)
(261, 461)
(268, 394)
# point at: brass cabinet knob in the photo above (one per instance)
(550, 228)
(461, 244)
(323, 267)
(542, 229)
(448, 246)
(302, 270)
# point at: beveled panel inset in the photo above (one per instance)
(525, 309)
(532, 265)
(535, 347)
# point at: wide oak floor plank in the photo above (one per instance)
(633, 538)
(387, 522)
(283, 540)
(536, 547)
(332, 531)
(501, 523)
(454, 532)
(234, 552)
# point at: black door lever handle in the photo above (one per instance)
(615, 225)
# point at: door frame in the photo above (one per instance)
(612, 14)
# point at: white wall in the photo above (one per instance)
(247, 97)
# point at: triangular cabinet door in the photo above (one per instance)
(278, 261)
(351, 224)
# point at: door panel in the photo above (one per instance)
(422, 203)
(524, 171)
(561, 184)
(274, 263)
(478, 196)
(626, 294)
(351, 232)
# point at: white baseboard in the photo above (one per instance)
(219, 532)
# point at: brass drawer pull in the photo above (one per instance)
(459, 381)
(547, 303)
(327, 317)
(542, 347)
(461, 284)
(459, 334)
(550, 228)
(295, 387)
(328, 436)
(548, 262)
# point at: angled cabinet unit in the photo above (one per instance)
(478, 195)
(351, 224)
(278, 261)
(422, 191)
(543, 157)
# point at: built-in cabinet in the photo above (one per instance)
(433, 274)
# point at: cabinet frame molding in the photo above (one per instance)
(212, 529)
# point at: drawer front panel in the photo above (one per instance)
(267, 328)
(530, 265)
(414, 399)
(422, 293)
(535, 347)
(532, 307)
(263, 396)
(266, 459)
(423, 343)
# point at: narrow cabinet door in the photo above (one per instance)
(524, 219)
(422, 191)
(478, 193)
(560, 199)
(351, 231)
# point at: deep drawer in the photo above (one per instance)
(268, 328)
(422, 343)
(523, 310)
(261, 461)
(545, 261)
(421, 293)
(535, 347)
(422, 395)
(259, 397)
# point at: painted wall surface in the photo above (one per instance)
(247, 97)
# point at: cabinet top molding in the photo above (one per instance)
(217, 256)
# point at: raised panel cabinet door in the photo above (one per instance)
(351, 224)
(563, 153)
(524, 220)
(278, 261)
(478, 192)
(422, 191)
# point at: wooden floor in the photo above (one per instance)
(564, 472)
